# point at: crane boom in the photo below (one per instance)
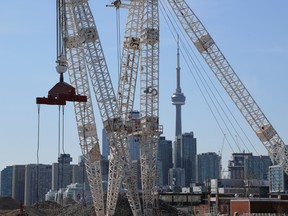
(84, 114)
(130, 59)
(149, 101)
(231, 82)
(87, 39)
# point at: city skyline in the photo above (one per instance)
(254, 43)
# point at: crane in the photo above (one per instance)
(119, 165)
(79, 48)
(141, 41)
(226, 75)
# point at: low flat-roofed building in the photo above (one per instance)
(240, 206)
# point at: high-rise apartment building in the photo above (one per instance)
(246, 166)
(278, 180)
(105, 145)
(18, 182)
(208, 165)
(6, 181)
(164, 160)
(79, 174)
(61, 172)
(176, 178)
(189, 152)
(38, 181)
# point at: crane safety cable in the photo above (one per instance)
(37, 155)
(207, 86)
(118, 42)
(219, 95)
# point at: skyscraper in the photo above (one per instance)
(38, 181)
(178, 99)
(105, 145)
(6, 181)
(61, 172)
(208, 166)
(164, 160)
(246, 166)
(189, 157)
(18, 182)
(278, 180)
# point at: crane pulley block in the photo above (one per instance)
(61, 93)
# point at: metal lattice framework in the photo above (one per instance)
(84, 112)
(231, 82)
(85, 53)
(130, 59)
(149, 101)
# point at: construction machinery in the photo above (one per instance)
(215, 59)
(80, 50)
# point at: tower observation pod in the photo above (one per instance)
(178, 98)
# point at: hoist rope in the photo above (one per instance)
(204, 83)
(59, 130)
(169, 22)
(118, 43)
(83, 162)
(63, 124)
(37, 154)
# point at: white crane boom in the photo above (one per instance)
(130, 59)
(86, 51)
(84, 114)
(149, 101)
(231, 82)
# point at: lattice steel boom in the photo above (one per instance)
(231, 82)
(149, 101)
(86, 55)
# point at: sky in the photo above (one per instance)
(252, 35)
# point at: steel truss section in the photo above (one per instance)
(149, 101)
(130, 59)
(108, 107)
(84, 114)
(231, 82)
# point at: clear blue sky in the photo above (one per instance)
(251, 34)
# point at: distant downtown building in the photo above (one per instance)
(6, 182)
(246, 166)
(38, 181)
(208, 165)
(189, 158)
(133, 144)
(278, 180)
(164, 160)
(18, 182)
(22, 182)
(62, 172)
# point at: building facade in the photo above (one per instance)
(105, 145)
(176, 178)
(246, 166)
(278, 180)
(38, 181)
(189, 158)
(208, 166)
(62, 172)
(164, 160)
(6, 181)
(18, 182)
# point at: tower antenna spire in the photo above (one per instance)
(178, 99)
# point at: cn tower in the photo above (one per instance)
(178, 99)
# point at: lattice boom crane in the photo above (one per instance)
(86, 59)
(231, 82)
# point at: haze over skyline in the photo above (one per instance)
(251, 35)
